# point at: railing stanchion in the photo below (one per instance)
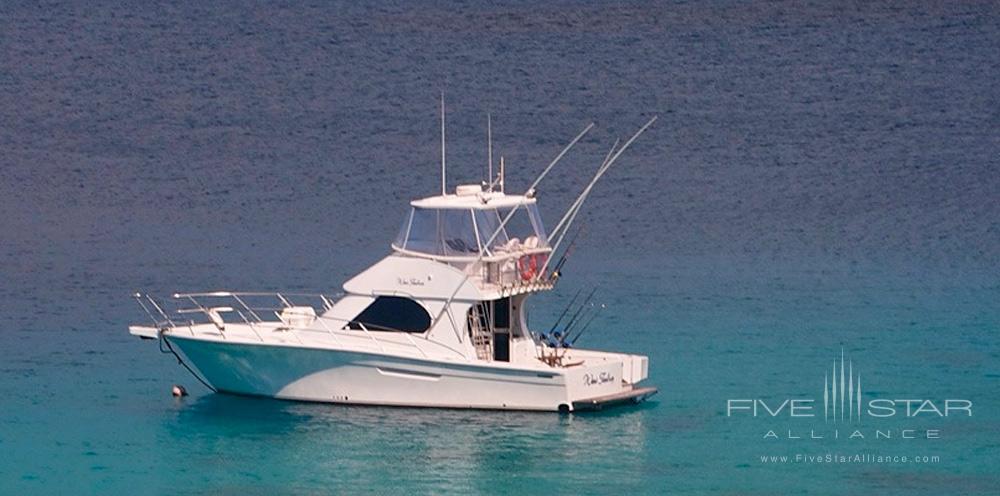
(158, 309)
(138, 299)
(322, 322)
(415, 345)
(252, 313)
(283, 300)
(377, 343)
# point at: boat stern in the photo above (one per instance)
(595, 380)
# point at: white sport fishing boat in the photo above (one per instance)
(439, 322)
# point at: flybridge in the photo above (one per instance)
(483, 223)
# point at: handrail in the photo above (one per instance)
(250, 310)
(222, 294)
(156, 323)
(414, 343)
(329, 331)
(252, 318)
(377, 343)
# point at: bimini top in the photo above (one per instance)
(471, 196)
(461, 225)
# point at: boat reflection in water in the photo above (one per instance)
(443, 450)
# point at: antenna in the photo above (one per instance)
(489, 150)
(444, 188)
(501, 175)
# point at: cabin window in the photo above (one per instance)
(392, 314)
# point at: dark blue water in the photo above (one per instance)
(823, 177)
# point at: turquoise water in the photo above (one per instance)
(822, 179)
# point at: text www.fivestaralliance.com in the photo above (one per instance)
(856, 458)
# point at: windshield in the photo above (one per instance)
(461, 232)
(439, 232)
(524, 229)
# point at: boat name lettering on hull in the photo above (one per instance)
(597, 379)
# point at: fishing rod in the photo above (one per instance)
(566, 346)
(577, 314)
(566, 310)
(568, 252)
(569, 329)
(584, 328)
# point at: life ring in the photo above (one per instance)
(528, 266)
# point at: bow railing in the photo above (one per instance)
(300, 312)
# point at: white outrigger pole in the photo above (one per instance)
(570, 216)
(574, 208)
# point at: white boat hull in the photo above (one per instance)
(353, 377)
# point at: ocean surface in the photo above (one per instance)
(824, 178)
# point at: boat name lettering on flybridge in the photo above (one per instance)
(596, 379)
(410, 281)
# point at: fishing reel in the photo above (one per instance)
(555, 340)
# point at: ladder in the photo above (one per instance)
(482, 335)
